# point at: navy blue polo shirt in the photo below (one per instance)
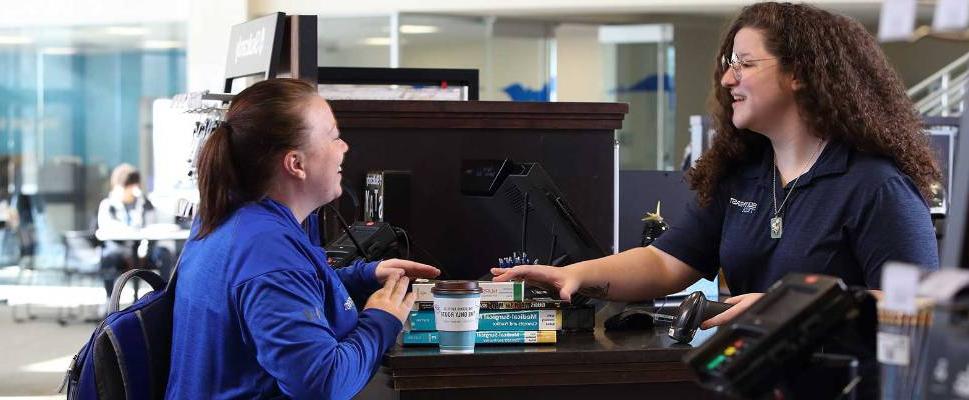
(848, 215)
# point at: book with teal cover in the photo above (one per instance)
(527, 304)
(491, 320)
(409, 338)
(573, 319)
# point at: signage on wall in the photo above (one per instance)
(254, 48)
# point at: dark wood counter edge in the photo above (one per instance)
(478, 114)
(598, 347)
(527, 107)
(534, 359)
(578, 359)
(601, 374)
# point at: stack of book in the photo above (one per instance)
(511, 313)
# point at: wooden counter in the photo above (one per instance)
(599, 366)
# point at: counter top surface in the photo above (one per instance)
(572, 348)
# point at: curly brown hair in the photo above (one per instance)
(849, 93)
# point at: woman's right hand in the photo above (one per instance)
(563, 279)
(393, 297)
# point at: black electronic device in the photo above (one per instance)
(942, 133)
(632, 318)
(387, 198)
(684, 320)
(482, 177)
(528, 212)
(776, 337)
(376, 240)
(694, 309)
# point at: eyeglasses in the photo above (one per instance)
(738, 64)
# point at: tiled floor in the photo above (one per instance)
(36, 353)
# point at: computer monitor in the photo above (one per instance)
(942, 133)
(955, 248)
(522, 209)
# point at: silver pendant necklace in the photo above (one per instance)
(776, 227)
(777, 221)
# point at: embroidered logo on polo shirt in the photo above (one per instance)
(746, 207)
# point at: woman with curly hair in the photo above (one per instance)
(819, 165)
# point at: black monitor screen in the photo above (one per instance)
(522, 209)
(942, 132)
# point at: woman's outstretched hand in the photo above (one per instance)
(556, 278)
(410, 269)
(740, 304)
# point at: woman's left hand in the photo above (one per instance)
(740, 304)
(411, 269)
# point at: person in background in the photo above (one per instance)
(24, 214)
(126, 209)
(258, 311)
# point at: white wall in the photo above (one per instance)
(580, 63)
(209, 23)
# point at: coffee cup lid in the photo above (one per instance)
(456, 287)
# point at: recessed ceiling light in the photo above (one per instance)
(15, 40)
(161, 44)
(418, 29)
(126, 30)
(59, 51)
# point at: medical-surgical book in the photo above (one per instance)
(409, 338)
(570, 319)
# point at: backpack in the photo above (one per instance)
(128, 355)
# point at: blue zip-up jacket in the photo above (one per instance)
(259, 314)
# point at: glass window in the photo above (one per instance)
(639, 70)
(74, 103)
(512, 56)
(353, 41)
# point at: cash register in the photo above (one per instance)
(806, 325)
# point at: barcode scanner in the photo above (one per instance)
(691, 313)
(684, 320)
